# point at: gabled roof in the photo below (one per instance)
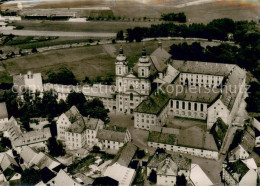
(7, 161)
(28, 154)
(127, 154)
(167, 167)
(63, 179)
(111, 135)
(208, 68)
(3, 111)
(159, 58)
(182, 162)
(237, 169)
(198, 177)
(232, 86)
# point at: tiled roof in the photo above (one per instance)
(231, 88)
(111, 135)
(8, 161)
(3, 111)
(183, 163)
(237, 168)
(127, 154)
(208, 68)
(18, 138)
(159, 58)
(193, 137)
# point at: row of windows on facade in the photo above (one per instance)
(131, 87)
(201, 76)
(183, 103)
(201, 80)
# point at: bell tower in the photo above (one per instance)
(121, 63)
(144, 65)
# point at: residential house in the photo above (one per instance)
(63, 178)
(238, 173)
(198, 177)
(125, 157)
(19, 138)
(168, 167)
(113, 137)
(31, 81)
(38, 160)
(125, 176)
(10, 168)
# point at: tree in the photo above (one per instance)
(63, 76)
(30, 176)
(55, 147)
(153, 176)
(34, 50)
(77, 99)
(120, 35)
(181, 180)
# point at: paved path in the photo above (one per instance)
(57, 33)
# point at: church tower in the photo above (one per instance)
(144, 65)
(121, 69)
(121, 63)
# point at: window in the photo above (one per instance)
(183, 105)
(189, 106)
(119, 70)
(195, 106)
(201, 107)
(142, 72)
(131, 97)
(171, 103)
(177, 104)
(142, 86)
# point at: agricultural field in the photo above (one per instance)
(92, 26)
(91, 61)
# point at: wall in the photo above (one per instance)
(188, 150)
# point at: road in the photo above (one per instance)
(58, 33)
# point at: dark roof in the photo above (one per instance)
(46, 174)
(127, 154)
(193, 137)
(182, 162)
(3, 111)
(105, 181)
(158, 60)
(112, 134)
(219, 130)
(237, 167)
(208, 68)
(164, 138)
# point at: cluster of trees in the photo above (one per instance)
(93, 108)
(180, 17)
(107, 80)
(62, 76)
(219, 29)
(253, 101)
(223, 53)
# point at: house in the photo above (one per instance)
(63, 178)
(38, 160)
(127, 154)
(10, 168)
(122, 174)
(168, 167)
(19, 138)
(239, 173)
(238, 153)
(193, 141)
(3, 116)
(77, 131)
(113, 137)
(31, 81)
(198, 177)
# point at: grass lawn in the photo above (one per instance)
(82, 165)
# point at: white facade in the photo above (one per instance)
(63, 124)
(187, 150)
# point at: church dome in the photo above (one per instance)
(144, 58)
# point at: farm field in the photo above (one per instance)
(196, 10)
(91, 61)
(92, 26)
